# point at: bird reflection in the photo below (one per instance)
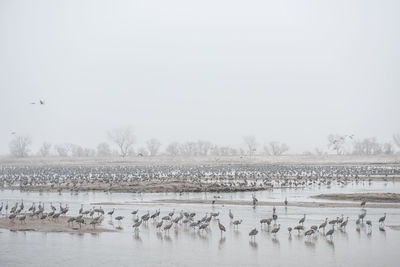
(253, 244)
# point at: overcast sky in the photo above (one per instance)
(292, 71)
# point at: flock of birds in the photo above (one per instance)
(218, 178)
(95, 216)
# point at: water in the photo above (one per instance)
(183, 246)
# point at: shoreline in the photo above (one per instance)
(249, 203)
(60, 226)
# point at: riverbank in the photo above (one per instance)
(50, 226)
(369, 197)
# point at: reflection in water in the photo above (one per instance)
(221, 242)
(276, 242)
(167, 238)
(253, 244)
(159, 235)
(137, 238)
(309, 244)
(331, 244)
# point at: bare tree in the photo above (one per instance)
(44, 150)
(369, 146)
(387, 148)
(19, 146)
(187, 149)
(63, 150)
(203, 147)
(396, 139)
(124, 139)
(142, 151)
(251, 144)
(337, 142)
(153, 145)
(103, 150)
(173, 149)
(277, 148)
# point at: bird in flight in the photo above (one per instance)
(13, 133)
(41, 102)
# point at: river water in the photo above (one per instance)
(183, 246)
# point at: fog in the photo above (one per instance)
(290, 71)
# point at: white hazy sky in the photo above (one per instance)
(292, 71)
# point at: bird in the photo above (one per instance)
(236, 223)
(230, 215)
(381, 219)
(41, 102)
(119, 218)
(344, 223)
(363, 203)
(221, 227)
(330, 232)
(134, 212)
(136, 225)
(111, 213)
(253, 233)
(309, 232)
(299, 228)
(285, 202)
(167, 227)
(255, 200)
(323, 225)
(276, 229)
(361, 216)
(290, 230)
(301, 221)
(22, 218)
(158, 226)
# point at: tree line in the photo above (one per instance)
(122, 143)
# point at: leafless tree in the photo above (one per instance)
(337, 143)
(203, 147)
(387, 148)
(19, 146)
(63, 150)
(368, 146)
(396, 139)
(251, 144)
(173, 149)
(188, 149)
(153, 145)
(277, 148)
(44, 150)
(124, 139)
(103, 150)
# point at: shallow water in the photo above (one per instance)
(184, 246)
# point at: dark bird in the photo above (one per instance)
(253, 233)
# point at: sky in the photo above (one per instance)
(292, 71)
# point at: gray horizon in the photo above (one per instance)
(293, 71)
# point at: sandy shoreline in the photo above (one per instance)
(260, 203)
(35, 224)
(372, 197)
